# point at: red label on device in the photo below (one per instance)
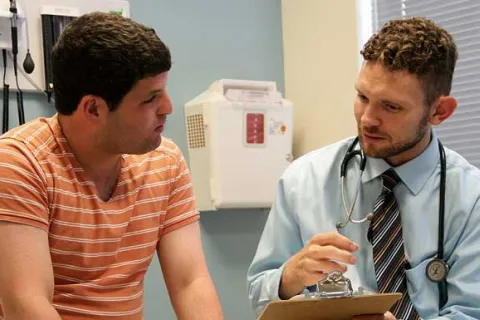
(255, 128)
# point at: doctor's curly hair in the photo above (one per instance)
(419, 46)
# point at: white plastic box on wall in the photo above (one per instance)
(239, 143)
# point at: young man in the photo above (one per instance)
(88, 196)
(403, 89)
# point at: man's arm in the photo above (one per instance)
(188, 281)
(180, 251)
(26, 275)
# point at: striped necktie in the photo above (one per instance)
(385, 234)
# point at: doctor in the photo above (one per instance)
(390, 241)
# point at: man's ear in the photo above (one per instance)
(94, 108)
(443, 109)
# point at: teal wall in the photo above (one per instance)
(209, 40)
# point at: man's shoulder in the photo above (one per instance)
(35, 135)
(34, 140)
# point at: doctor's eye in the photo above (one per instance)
(391, 107)
(362, 98)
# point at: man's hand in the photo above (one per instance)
(324, 253)
(386, 316)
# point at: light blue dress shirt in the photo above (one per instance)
(309, 201)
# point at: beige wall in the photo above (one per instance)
(321, 60)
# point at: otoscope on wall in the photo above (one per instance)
(28, 66)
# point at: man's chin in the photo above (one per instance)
(144, 149)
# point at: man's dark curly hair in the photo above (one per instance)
(419, 46)
(104, 54)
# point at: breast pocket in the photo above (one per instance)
(422, 291)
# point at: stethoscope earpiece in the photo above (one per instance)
(370, 216)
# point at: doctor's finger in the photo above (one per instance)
(335, 239)
(331, 253)
(325, 266)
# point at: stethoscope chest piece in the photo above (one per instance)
(437, 270)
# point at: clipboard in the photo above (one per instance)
(334, 299)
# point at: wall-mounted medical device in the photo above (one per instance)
(12, 19)
(239, 136)
(39, 24)
(54, 20)
(28, 32)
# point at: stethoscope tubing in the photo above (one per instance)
(442, 284)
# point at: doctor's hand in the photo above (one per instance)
(386, 316)
(324, 253)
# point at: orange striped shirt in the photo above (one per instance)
(100, 250)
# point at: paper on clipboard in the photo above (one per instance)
(333, 299)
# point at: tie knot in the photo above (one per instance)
(390, 179)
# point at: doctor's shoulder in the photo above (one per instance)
(323, 159)
(463, 178)
(460, 168)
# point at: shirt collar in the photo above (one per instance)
(414, 173)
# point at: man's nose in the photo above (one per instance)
(166, 106)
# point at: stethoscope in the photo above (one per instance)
(437, 269)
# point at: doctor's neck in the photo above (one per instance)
(409, 151)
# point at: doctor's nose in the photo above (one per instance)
(369, 117)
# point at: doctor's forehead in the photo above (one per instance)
(377, 81)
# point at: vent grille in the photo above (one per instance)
(196, 131)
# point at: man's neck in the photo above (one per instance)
(96, 163)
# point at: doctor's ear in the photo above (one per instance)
(442, 110)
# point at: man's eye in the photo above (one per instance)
(150, 100)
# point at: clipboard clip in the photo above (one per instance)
(333, 285)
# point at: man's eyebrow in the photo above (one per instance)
(155, 91)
